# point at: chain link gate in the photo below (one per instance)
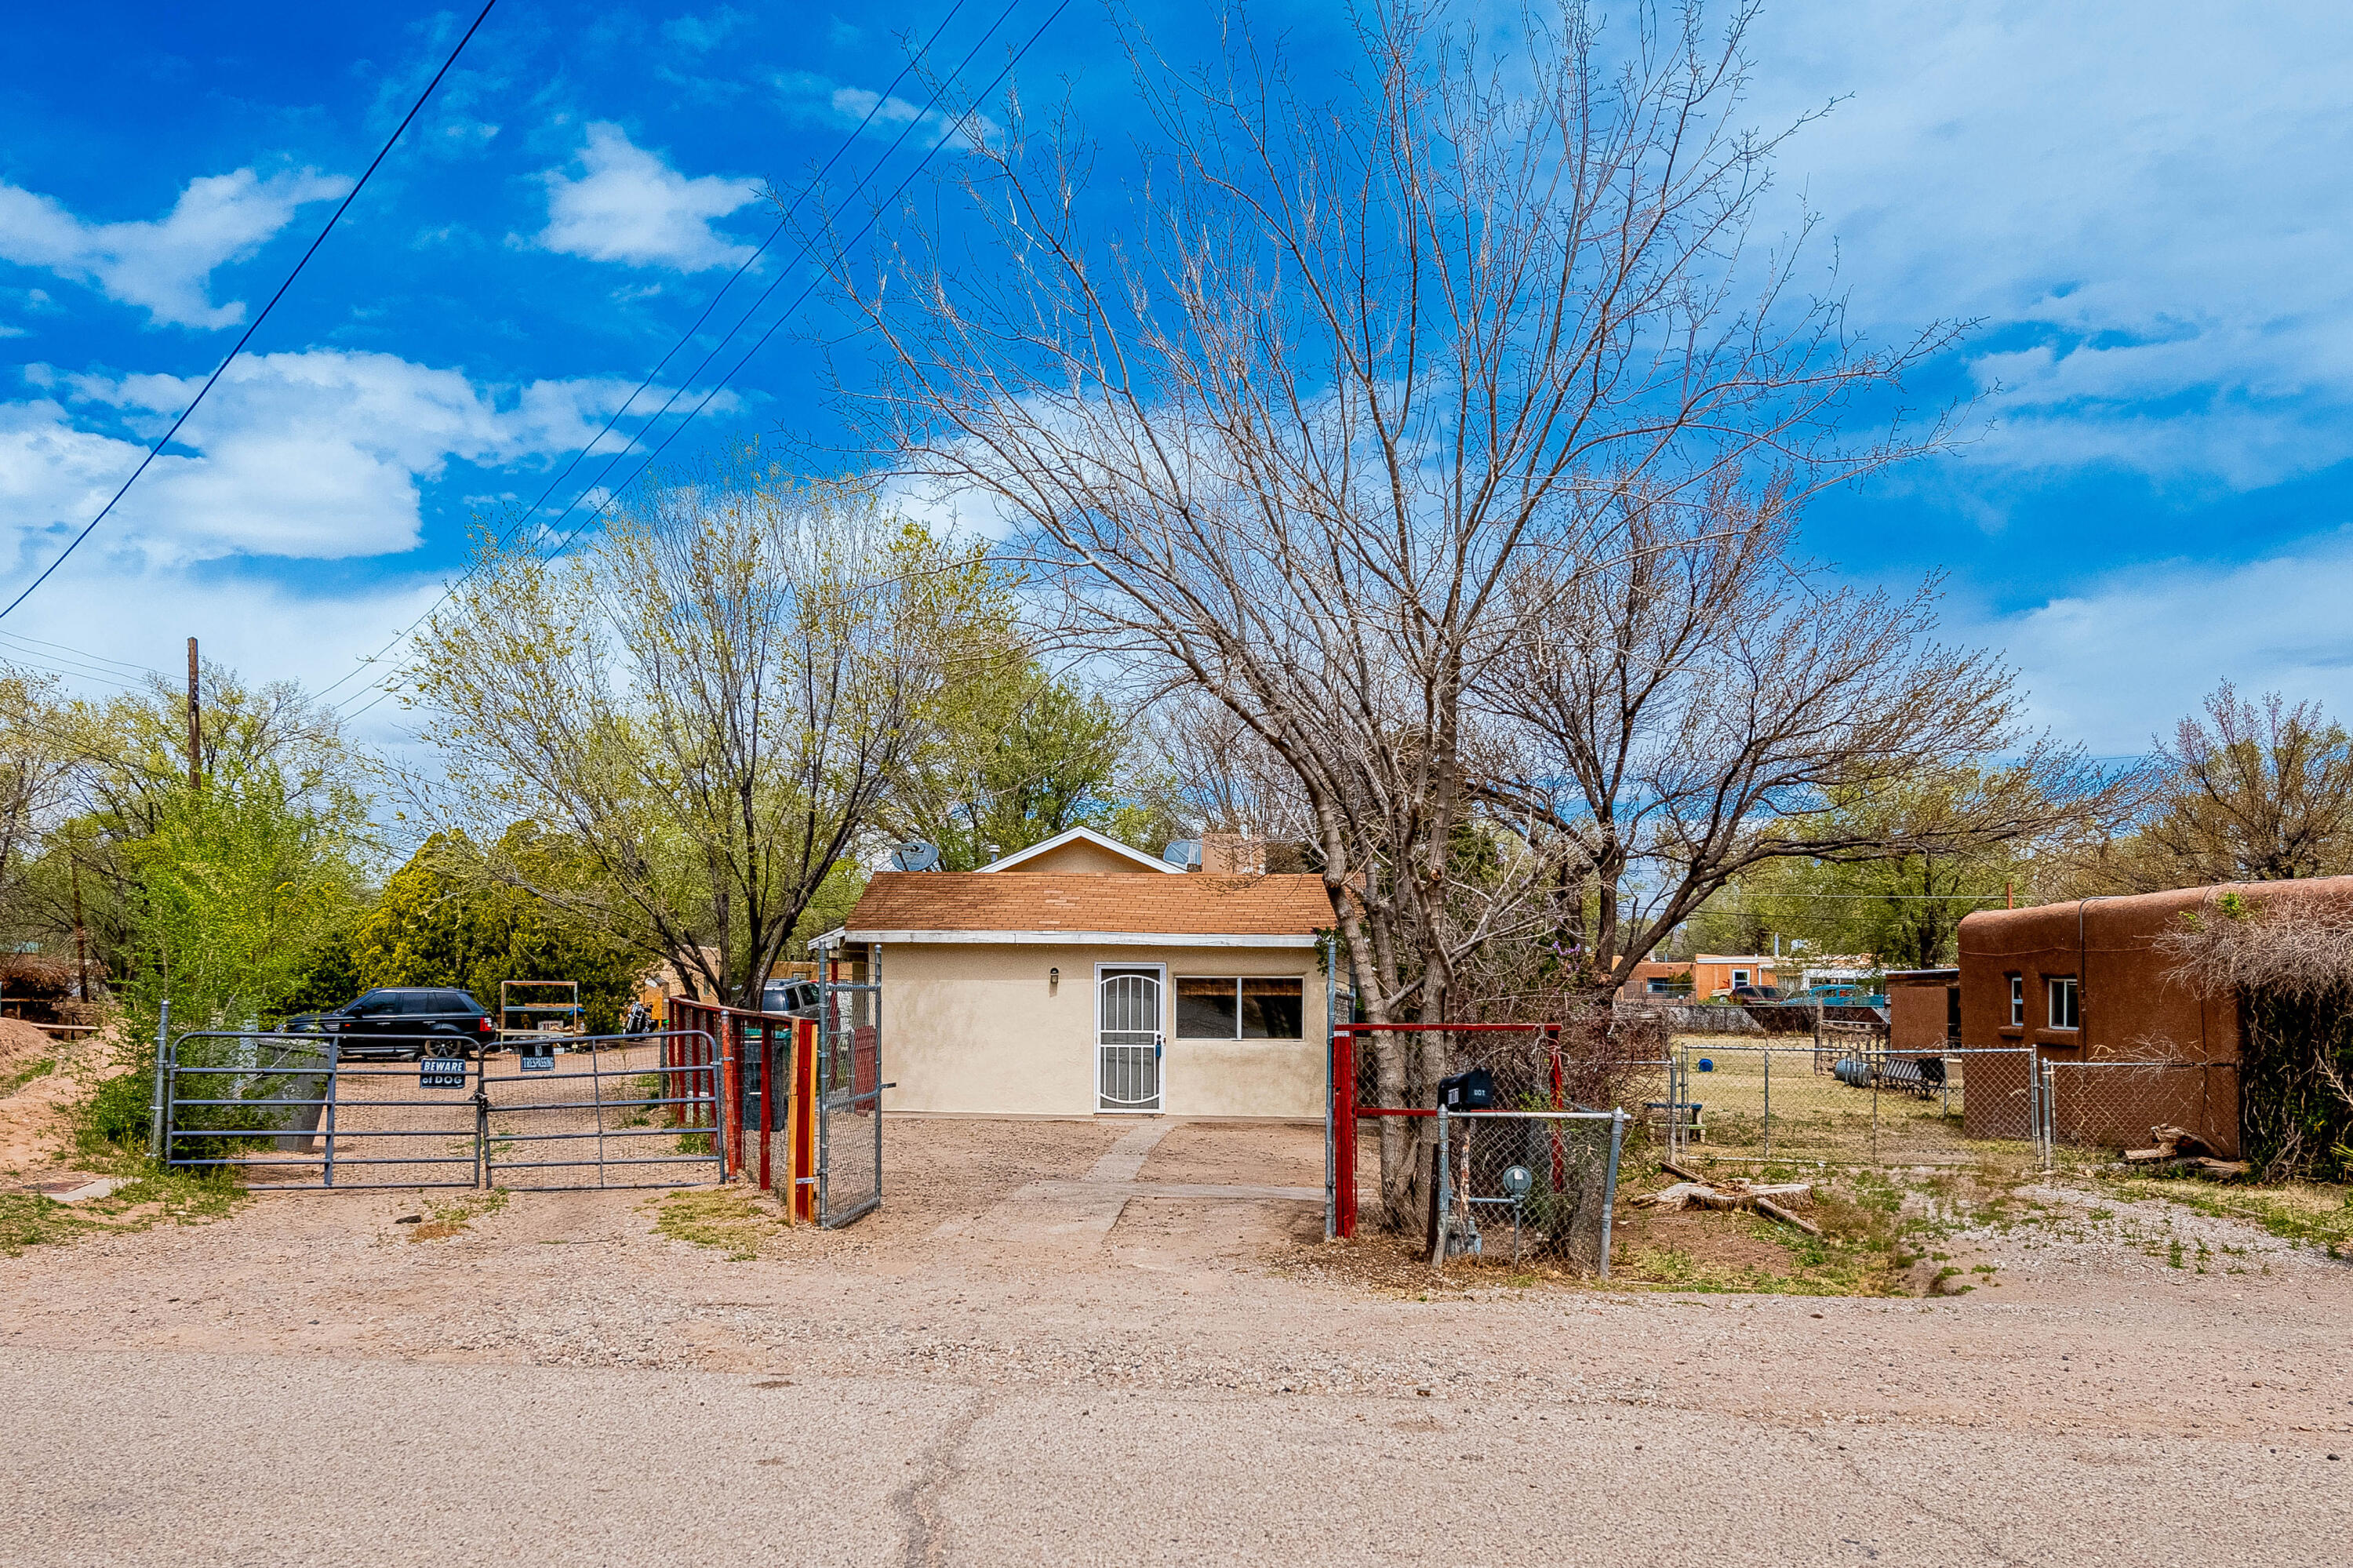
(290, 1111)
(849, 1095)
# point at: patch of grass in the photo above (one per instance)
(39, 1067)
(2312, 1213)
(645, 1086)
(454, 1215)
(725, 1221)
(1876, 1228)
(32, 1219)
(29, 1219)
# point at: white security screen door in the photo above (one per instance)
(1128, 1040)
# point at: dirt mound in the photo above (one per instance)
(20, 1045)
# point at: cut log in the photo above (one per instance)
(1681, 1195)
(1772, 1210)
(1672, 1169)
(2220, 1169)
(2147, 1156)
(1733, 1195)
(2180, 1141)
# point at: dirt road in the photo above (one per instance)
(1030, 1355)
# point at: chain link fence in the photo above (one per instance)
(1523, 1186)
(1850, 1098)
(2110, 1104)
(1847, 1100)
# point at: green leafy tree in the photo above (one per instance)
(707, 704)
(1012, 757)
(444, 920)
(232, 890)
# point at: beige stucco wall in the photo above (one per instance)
(974, 1028)
(1078, 855)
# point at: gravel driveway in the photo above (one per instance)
(1179, 1383)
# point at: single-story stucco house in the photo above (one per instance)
(1083, 978)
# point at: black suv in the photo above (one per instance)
(794, 998)
(409, 1021)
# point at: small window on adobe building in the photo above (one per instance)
(2062, 1002)
(2017, 1000)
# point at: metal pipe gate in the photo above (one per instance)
(293, 1111)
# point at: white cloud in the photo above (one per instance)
(2127, 653)
(2152, 195)
(165, 267)
(630, 206)
(315, 455)
(850, 106)
(264, 630)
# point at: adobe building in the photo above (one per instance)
(2081, 982)
(1924, 1011)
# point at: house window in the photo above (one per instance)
(1246, 1008)
(1740, 976)
(2062, 1004)
(2018, 1001)
(1661, 985)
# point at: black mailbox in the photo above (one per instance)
(1470, 1091)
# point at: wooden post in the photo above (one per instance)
(195, 725)
(81, 949)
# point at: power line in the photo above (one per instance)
(783, 315)
(83, 653)
(684, 338)
(10, 660)
(247, 336)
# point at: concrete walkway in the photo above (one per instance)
(1085, 1209)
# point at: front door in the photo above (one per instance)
(1128, 1039)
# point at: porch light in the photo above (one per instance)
(1053, 980)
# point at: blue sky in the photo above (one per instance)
(2147, 218)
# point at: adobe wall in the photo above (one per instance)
(2128, 1010)
(1916, 1018)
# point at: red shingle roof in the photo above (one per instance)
(1086, 902)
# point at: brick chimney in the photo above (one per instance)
(1232, 854)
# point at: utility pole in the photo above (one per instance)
(81, 949)
(195, 725)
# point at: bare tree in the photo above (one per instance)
(1703, 704)
(1285, 428)
(2252, 793)
(705, 703)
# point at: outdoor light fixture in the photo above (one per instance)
(1053, 980)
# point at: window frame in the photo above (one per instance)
(1237, 1038)
(2017, 999)
(2069, 986)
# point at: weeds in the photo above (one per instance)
(29, 1219)
(32, 1219)
(2313, 1214)
(725, 1221)
(40, 1067)
(1868, 1240)
(443, 1220)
